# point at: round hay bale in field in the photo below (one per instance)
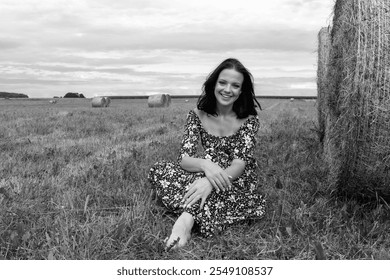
(357, 141)
(99, 102)
(169, 100)
(324, 43)
(159, 100)
(108, 102)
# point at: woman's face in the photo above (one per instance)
(228, 87)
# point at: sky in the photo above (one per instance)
(142, 47)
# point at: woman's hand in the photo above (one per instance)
(199, 189)
(218, 177)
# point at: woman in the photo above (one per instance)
(217, 186)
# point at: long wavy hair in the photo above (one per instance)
(244, 106)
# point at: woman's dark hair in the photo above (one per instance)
(244, 105)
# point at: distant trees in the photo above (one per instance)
(12, 95)
(74, 95)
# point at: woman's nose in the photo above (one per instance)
(227, 88)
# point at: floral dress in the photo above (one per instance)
(241, 202)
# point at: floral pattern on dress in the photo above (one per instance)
(241, 202)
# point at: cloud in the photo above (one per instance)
(208, 40)
(6, 44)
(166, 44)
(199, 25)
(130, 72)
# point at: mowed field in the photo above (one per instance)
(73, 185)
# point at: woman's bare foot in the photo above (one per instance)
(181, 232)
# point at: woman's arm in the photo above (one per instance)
(218, 177)
(236, 169)
(201, 188)
(193, 164)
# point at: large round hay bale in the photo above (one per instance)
(324, 44)
(108, 101)
(168, 99)
(357, 144)
(99, 102)
(159, 100)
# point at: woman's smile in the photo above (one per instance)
(226, 96)
(228, 86)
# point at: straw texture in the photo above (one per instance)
(324, 43)
(159, 100)
(357, 126)
(101, 102)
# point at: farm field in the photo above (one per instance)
(73, 185)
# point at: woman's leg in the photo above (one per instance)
(181, 229)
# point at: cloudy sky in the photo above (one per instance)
(128, 47)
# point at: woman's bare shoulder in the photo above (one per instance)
(200, 113)
(250, 117)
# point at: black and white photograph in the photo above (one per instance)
(238, 135)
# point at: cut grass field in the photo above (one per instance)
(73, 185)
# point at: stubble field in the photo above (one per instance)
(73, 185)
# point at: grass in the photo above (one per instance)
(73, 186)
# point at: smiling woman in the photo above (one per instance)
(217, 186)
(230, 78)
